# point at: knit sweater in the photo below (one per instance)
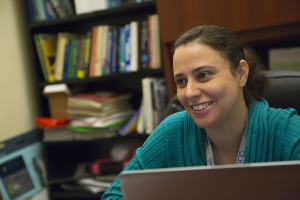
(273, 135)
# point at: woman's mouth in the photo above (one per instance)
(201, 106)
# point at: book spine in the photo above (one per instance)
(66, 59)
(93, 51)
(156, 42)
(30, 10)
(50, 14)
(41, 57)
(80, 58)
(127, 48)
(106, 69)
(114, 51)
(48, 45)
(99, 50)
(148, 104)
(134, 46)
(143, 47)
(122, 63)
(58, 8)
(59, 59)
(87, 53)
(104, 48)
(150, 47)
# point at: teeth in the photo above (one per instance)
(201, 106)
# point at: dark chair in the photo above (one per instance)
(283, 92)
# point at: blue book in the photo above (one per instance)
(127, 48)
(122, 63)
(114, 51)
(66, 60)
(50, 14)
(30, 10)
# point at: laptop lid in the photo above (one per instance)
(272, 180)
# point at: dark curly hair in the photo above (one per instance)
(229, 45)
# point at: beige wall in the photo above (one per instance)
(17, 101)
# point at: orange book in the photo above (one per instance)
(93, 51)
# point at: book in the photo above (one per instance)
(122, 64)
(46, 47)
(284, 58)
(148, 104)
(93, 51)
(131, 125)
(50, 14)
(134, 44)
(79, 73)
(98, 112)
(97, 100)
(73, 57)
(104, 48)
(160, 98)
(127, 48)
(62, 43)
(39, 10)
(59, 8)
(88, 6)
(66, 58)
(87, 52)
(99, 50)
(103, 122)
(114, 50)
(141, 123)
(30, 10)
(154, 47)
(108, 48)
(143, 44)
(156, 64)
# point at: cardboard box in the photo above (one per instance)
(57, 98)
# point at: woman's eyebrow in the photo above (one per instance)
(202, 67)
(205, 67)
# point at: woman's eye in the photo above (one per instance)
(203, 75)
(180, 81)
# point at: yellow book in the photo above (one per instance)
(47, 48)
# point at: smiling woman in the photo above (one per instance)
(225, 121)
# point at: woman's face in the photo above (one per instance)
(206, 88)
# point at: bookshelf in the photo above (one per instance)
(62, 157)
(262, 25)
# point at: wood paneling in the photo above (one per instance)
(257, 21)
(265, 13)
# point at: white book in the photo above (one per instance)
(88, 6)
(99, 50)
(134, 46)
(141, 121)
(148, 105)
(81, 7)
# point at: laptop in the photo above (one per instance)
(272, 180)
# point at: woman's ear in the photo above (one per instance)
(243, 72)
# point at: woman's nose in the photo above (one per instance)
(192, 90)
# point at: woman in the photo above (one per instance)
(225, 121)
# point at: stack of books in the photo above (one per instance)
(104, 112)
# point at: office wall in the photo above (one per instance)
(17, 97)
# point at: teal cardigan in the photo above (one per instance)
(273, 135)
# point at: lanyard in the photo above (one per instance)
(240, 154)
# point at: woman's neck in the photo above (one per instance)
(225, 140)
